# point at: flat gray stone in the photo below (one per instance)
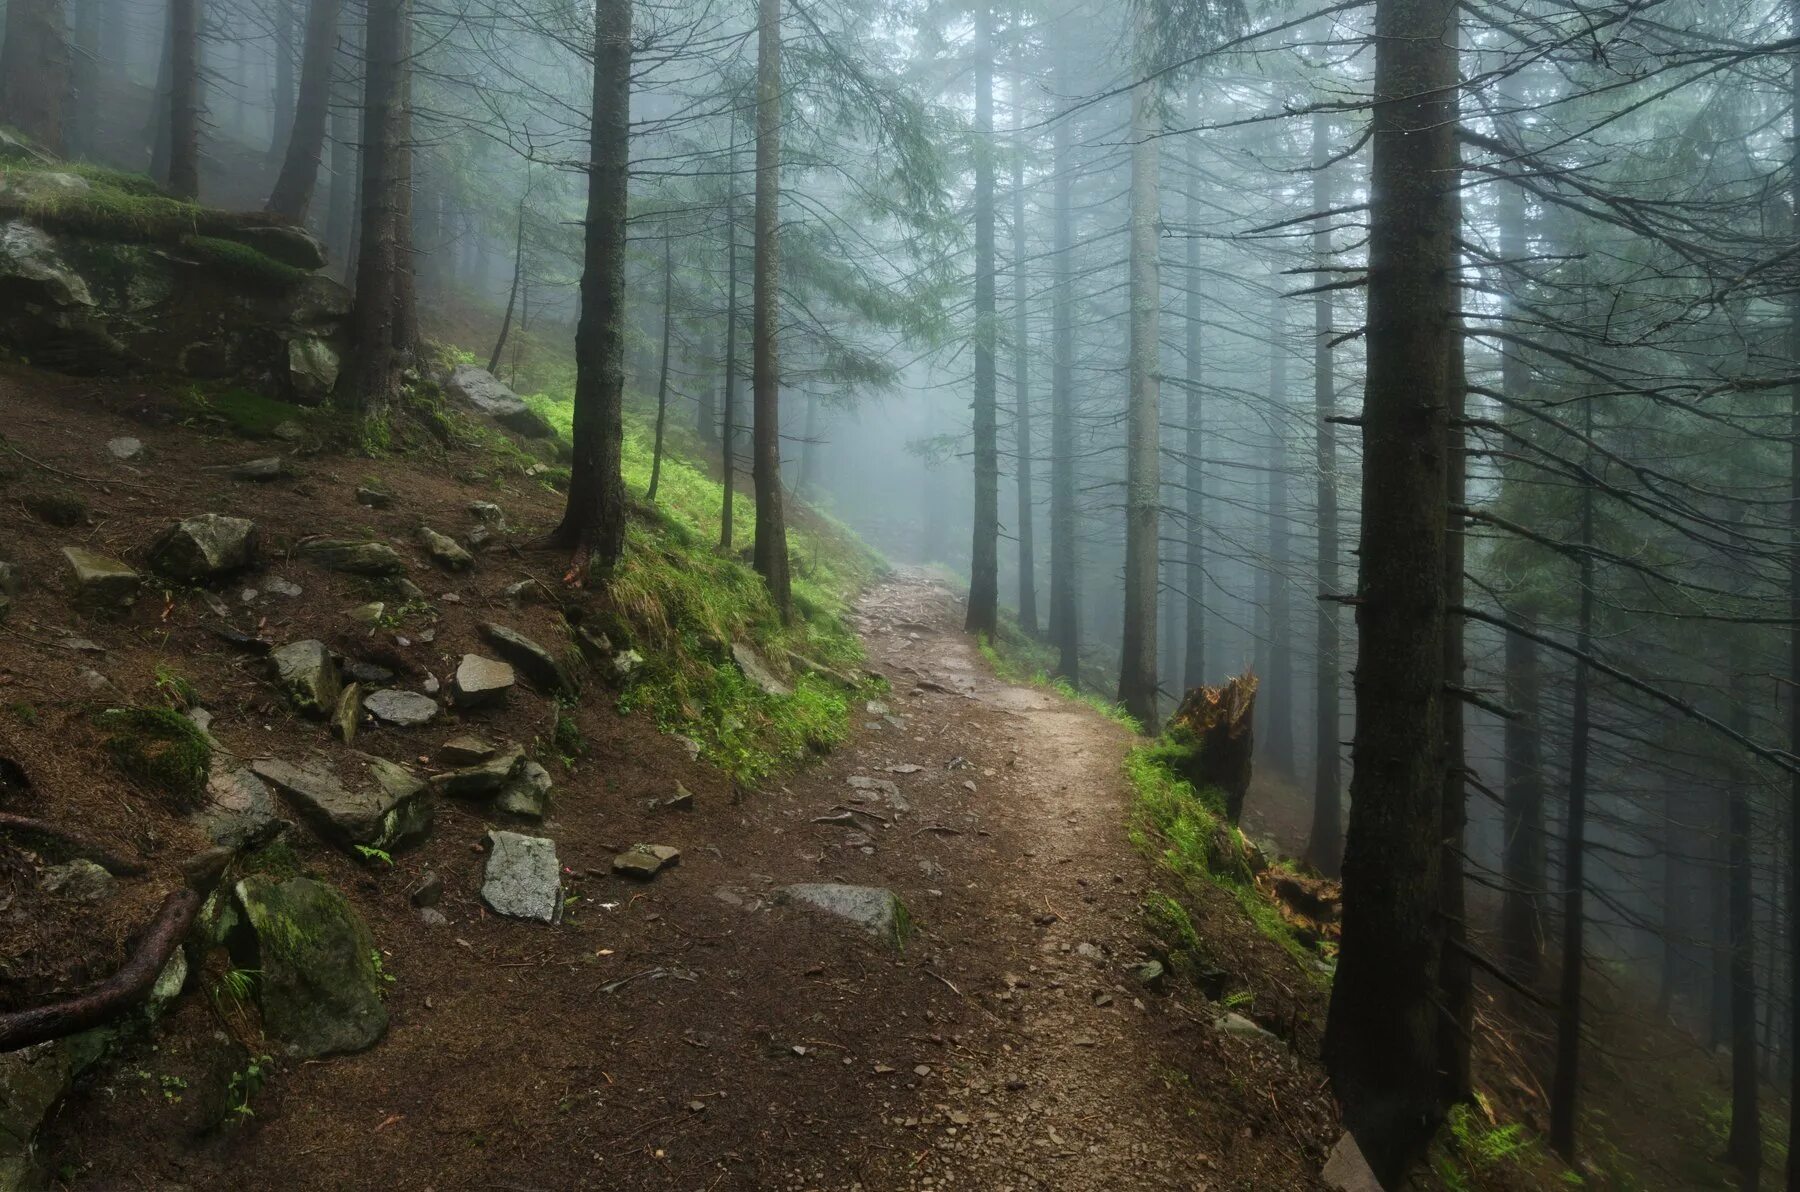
(101, 583)
(375, 559)
(541, 668)
(390, 808)
(757, 671)
(79, 881)
(240, 811)
(527, 793)
(1239, 1027)
(484, 391)
(1347, 1171)
(875, 909)
(466, 750)
(282, 587)
(523, 879)
(404, 709)
(645, 861)
(308, 676)
(205, 547)
(124, 448)
(483, 779)
(444, 550)
(480, 681)
(258, 471)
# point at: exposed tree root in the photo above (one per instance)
(82, 846)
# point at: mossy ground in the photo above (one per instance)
(242, 411)
(161, 749)
(116, 205)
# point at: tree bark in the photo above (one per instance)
(184, 98)
(1793, 577)
(1277, 712)
(809, 454)
(1194, 625)
(1143, 453)
(1381, 1038)
(1325, 842)
(346, 167)
(35, 71)
(1065, 627)
(593, 524)
(984, 551)
(770, 555)
(662, 372)
(1743, 1146)
(373, 379)
(1522, 863)
(1028, 614)
(729, 452)
(293, 190)
(512, 294)
(1456, 978)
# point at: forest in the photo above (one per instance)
(1218, 577)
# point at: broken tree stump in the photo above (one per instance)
(1218, 722)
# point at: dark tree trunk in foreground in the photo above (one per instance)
(1565, 1085)
(512, 293)
(372, 381)
(662, 372)
(293, 190)
(1028, 615)
(1143, 453)
(1456, 978)
(1325, 843)
(1277, 712)
(1793, 577)
(282, 109)
(770, 556)
(1743, 1146)
(730, 420)
(1381, 1038)
(184, 99)
(1193, 667)
(1522, 863)
(1065, 627)
(35, 71)
(984, 551)
(593, 524)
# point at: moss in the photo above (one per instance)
(119, 206)
(243, 263)
(160, 748)
(245, 411)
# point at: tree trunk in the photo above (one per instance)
(156, 128)
(662, 372)
(1566, 1083)
(346, 167)
(1743, 1147)
(1522, 863)
(770, 555)
(184, 98)
(282, 106)
(706, 415)
(35, 71)
(1325, 842)
(984, 552)
(1456, 978)
(293, 190)
(372, 381)
(729, 452)
(1065, 627)
(1143, 458)
(512, 294)
(1381, 1038)
(593, 524)
(81, 133)
(1793, 688)
(1278, 707)
(1028, 615)
(1194, 627)
(406, 310)
(809, 453)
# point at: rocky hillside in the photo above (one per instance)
(266, 710)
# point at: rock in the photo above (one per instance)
(481, 389)
(124, 448)
(523, 878)
(445, 551)
(540, 667)
(757, 671)
(78, 881)
(292, 246)
(308, 676)
(313, 366)
(466, 750)
(404, 709)
(483, 779)
(527, 793)
(431, 916)
(240, 812)
(645, 861)
(374, 498)
(101, 584)
(1239, 1027)
(1090, 953)
(394, 808)
(12, 579)
(58, 509)
(488, 513)
(1151, 975)
(257, 471)
(884, 787)
(346, 717)
(368, 615)
(625, 664)
(1347, 1171)
(33, 1081)
(376, 559)
(480, 681)
(319, 988)
(366, 672)
(428, 890)
(284, 588)
(206, 547)
(526, 591)
(287, 430)
(681, 800)
(875, 909)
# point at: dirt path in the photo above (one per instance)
(697, 1033)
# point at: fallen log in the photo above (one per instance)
(79, 844)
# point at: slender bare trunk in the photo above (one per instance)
(770, 555)
(1194, 626)
(984, 551)
(729, 452)
(662, 372)
(293, 190)
(1325, 843)
(1028, 614)
(184, 98)
(512, 294)
(1275, 698)
(1065, 627)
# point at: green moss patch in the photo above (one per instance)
(160, 749)
(244, 411)
(114, 206)
(242, 263)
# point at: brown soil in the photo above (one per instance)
(684, 1034)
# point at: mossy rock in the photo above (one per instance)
(161, 749)
(320, 986)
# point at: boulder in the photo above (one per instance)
(320, 988)
(403, 709)
(540, 667)
(289, 245)
(313, 366)
(1238, 1027)
(50, 311)
(875, 909)
(308, 675)
(240, 812)
(373, 498)
(681, 799)
(526, 793)
(523, 878)
(466, 750)
(445, 551)
(480, 681)
(102, 584)
(79, 881)
(32, 1082)
(206, 547)
(484, 778)
(389, 809)
(346, 718)
(258, 471)
(645, 861)
(375, 559)
(757, 671)
(481, 389)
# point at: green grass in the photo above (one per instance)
(1018, 658)
(160, 749)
